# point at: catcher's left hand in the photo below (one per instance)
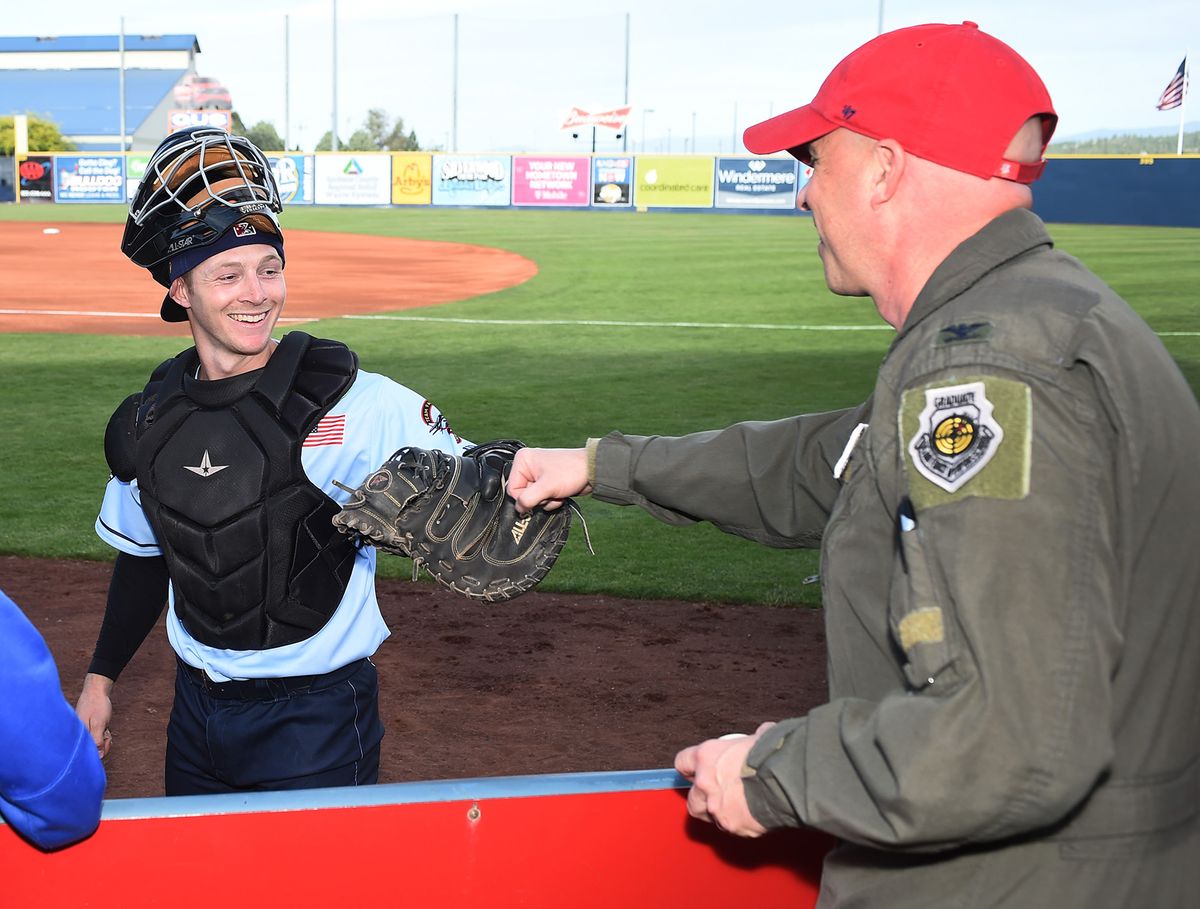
(450, 515)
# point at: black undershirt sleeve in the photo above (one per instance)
(137, 595)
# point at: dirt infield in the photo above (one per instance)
(543, 684)
(77, 281)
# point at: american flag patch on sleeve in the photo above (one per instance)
(330, 430)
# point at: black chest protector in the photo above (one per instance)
(254, 558)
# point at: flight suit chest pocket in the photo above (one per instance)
(921, 626)
(845, 548)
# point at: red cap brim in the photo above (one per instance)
(796, 127)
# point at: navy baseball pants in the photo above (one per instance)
(268, 734)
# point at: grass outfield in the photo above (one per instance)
(735, 305)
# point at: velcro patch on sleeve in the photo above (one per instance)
(924, 626)
(969, 438)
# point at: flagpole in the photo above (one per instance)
(1182, 105)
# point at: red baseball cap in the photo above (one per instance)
(950, 94)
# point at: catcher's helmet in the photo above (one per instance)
(198, 183)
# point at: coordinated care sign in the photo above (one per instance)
(472, 180)
(674, 181)
(90, 178)
(542, 180)
(361, 178)
(757, 182)
(412, 178)
(295, 177)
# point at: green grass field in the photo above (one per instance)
(526, 363)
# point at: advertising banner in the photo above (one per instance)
(412, 178)
(294, 176)
(89, 178)
(674, 181)
(757, 182)
(550, 180)
(182, 119)
(135, 169)
(36, 173)
(612, 181)
(472, 180)
(362, 178)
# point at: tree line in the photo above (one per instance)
(379, 132)
(1128, 144)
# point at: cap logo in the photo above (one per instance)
(244, 229)
(848, 111)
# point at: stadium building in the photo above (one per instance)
(76, 82)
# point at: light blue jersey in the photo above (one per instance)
(363, 429)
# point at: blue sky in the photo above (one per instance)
(699, 71)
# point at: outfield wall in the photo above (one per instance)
(616, 182)
(1129, 189)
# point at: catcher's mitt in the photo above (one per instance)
(450, 515)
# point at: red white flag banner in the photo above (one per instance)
(613, 119)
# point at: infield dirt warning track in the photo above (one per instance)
(72, 278)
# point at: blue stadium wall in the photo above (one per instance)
(1148, 190)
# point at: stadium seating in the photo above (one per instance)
(86, 102)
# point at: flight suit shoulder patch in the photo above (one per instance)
(966, 437)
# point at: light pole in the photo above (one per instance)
(645, 110)
(333, 138)
(625, 132)
(693, 132)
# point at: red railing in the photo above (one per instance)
(572, 840)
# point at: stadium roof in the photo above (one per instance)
(76, 43)
(85, 101)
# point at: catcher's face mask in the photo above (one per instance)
(198, 184)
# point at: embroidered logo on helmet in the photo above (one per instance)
(244, 229)
(956, 435)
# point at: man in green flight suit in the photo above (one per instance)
(1007, 525)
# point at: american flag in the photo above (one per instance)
(329, 430)
(1172, 95)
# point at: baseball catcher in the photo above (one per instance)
(451, 515)
(222, 497)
